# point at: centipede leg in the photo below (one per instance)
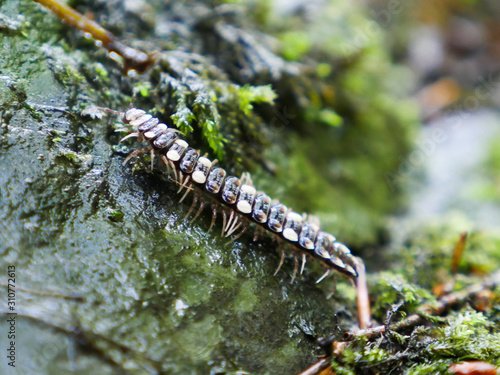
(135, 153)
(256, 233)
(328, 271)
(232, 224)
(188, 190)
(164, 159)
(281, 261)
(234, 227)
(152, 156)
(168, 164)
(172, 166)
(195, 200)
(214, 215)
(295, 268)
(246, 179)
(239, 234)
(304, 258)
(183, 184)
(224, 220)
(131, 135)
(181, 177)
(334, 288)
(225, 227)
(202, 206)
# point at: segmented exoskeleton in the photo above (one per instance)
(237, 198)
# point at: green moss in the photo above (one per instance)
(246, 299)
(115, 215)
(468, 335)
(437, 367)
(295, 44)
(463, 336)
(390, 289)
(249, 95)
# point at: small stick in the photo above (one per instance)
(134, 59)
(362, 297)
(318, 367)
(458, 251)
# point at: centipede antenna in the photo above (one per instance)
(304, 258)
(91, 111)
(295, 268)
(109, 110)
(281, 261)
(328, 271)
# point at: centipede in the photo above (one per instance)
(240, 203)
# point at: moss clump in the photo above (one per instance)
(392, 289)
(467, 335)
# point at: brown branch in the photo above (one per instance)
(133, 59)
(318, 367)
